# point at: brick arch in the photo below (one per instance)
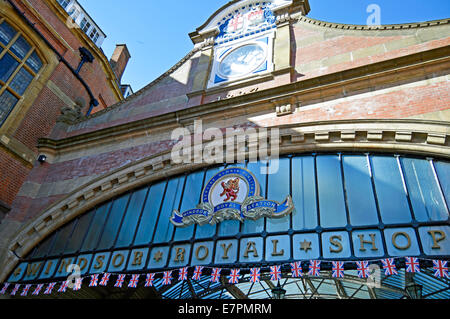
(407, 137)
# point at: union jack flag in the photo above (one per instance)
(363, 269)
(314, 268)
(296, 269)
(78, 283)
(440, 268)
(182, 275)
(412, 264)
(197, 272)
(234, 276)
(255, 275)
(50, 288)
(94, 281)
(63, 287)
(25, 290)
(167, 279)
(215, 275)
(389, 267)
(338, 269)
(134, 281)
(38, 289)
(120, 281)
(5, 287)
(14, 291)
(105, 279)
(149, 280)
(275, 273)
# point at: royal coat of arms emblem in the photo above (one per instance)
(232, 194)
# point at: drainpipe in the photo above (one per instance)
(93, 101)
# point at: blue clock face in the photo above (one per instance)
(242, 61)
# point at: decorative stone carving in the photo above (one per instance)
(71, 114)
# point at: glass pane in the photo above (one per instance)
(358, 184)
(443, 172)
(79, 233)
(20, 48)
(165, 228)
(112, 225)
(150, 214)
(21, 81)
(304, 193)
(191, 198)
(278, 188)
(96, 228)
(391, 195)
(331, 194)
(6, 33)
(34, 62)
(7, 102)
(7, 67)
(256, 226)
(426, 198)
(132, 215)
(61, 239)
(43, 248)
(207, 231)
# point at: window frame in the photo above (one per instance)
(6, 49)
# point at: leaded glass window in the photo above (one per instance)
(19, 65)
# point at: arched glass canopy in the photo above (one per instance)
(348, 207)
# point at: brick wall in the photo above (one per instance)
(41, 115)
(12, 175)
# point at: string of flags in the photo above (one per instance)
(412, 265)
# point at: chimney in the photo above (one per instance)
(119, 60)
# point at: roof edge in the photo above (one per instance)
(411, 25)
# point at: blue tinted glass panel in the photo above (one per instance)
(43, 248)
(79, 233)
(304, 193)
(112, 225)
(191, 198)
(132, 215)
(21, 81)
(207, 231)
(20, 48)
(95, 230)
(7, 102)
(443, 172)
(257, 226)
(391, 194)
(331, 195)
(358, 185)
(7, 67)
(34, 62)
(278, 189)
(426, 199)
(165, 228)
(61, 239)
(6, 33)
(150, 214)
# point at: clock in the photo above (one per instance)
(242, 61)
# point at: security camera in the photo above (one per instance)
(42, 158)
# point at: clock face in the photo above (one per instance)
(242, 61)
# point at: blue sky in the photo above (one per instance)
(156, 31)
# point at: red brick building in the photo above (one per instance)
(42, 77)
(362, 114)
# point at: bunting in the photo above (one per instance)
(389, 266)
